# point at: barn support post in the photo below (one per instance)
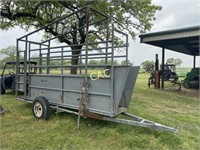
(163, 62)
(194, 62)
(157, 75)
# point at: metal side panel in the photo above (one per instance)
(101, 85)
(45, 81)
(72, 83)
(21, 83)
(120, 76)
(129, 87)
(52, 95)
(65, 91)
(100, 104)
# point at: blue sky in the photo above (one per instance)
(174, 14)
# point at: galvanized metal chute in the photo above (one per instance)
(80, 94)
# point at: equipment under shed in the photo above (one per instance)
(182, 40)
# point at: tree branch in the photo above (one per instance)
(61, 38)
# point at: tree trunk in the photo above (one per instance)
(75, 58)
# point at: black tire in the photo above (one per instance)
(187, 85)
(41, 108)
(2, 90)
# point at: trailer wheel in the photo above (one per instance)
(41, 108)
(2, 90)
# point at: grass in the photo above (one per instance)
(20, 130)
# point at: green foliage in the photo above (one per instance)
(102, 61)
(131, 15)
(124, 62)
(174, 61)
(7, 54)
(20, 130)
(147, 65)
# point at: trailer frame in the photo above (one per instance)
(102, 99)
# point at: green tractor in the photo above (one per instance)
(192, 79)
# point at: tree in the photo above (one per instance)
(7, 54)
(174, 61)
(93, 62)
(132, 16)
(147, 65)
(123, 62)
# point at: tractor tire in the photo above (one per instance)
(41, 108)
(2, 90)
(187, 85)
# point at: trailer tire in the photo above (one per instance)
(2, 90)
(41, 108)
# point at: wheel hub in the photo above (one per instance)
(38, 110)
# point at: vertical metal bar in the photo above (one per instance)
(163, 63)
(107, 38)
(86, 49)
(29, 67)
(25, 67)
(17, 69)
(127, 50)
(48, 55)
(194, 62)
(40, 60)
(80, 59)
(112, 73)
(62, 84)
(62, 61)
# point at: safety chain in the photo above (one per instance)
(83, 101)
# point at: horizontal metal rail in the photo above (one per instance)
(68, 46)
(121, 32)
(33, 42)
(65, 56)
(57, 66)
(66, 90)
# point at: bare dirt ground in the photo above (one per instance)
(183, 91)
(190, 92)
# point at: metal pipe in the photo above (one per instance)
(25, 68)
(56, 66)
(29, 67)
(66, 90)
(40, 59)
(106, 16)
(121, 32)
(32, 42)
(163, 63)
(126, 50)
(86, 41)
(112, 71)
(194, 62)
(48, 55)
(56, 47)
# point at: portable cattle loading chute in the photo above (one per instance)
(100, 91)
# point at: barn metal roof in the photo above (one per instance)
(183, 40)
